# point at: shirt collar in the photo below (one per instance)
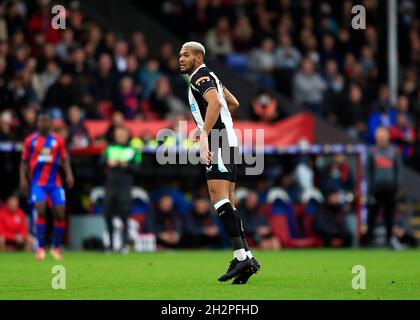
(201, 66)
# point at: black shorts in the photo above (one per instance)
(223, 166)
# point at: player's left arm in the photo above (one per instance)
(212, 114)
(205, 84)
(68, 172)
(65, 162)
(213, 110)
(232, 102)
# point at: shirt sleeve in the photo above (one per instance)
(25, 152)
(203, 82)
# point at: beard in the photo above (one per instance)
(185, 71)
(190, 69)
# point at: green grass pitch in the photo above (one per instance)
(286, 274)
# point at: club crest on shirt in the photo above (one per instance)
(45, 155)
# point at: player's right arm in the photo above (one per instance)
(23, 169)
(232, 102)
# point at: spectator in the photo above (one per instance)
(126, 100)
(27, 121)
(165, 53)
(287, 56)
(262, 62)
(383, 180)
(334, 109)
(163, 102)
(121, 56)
(304, 174)
(201, 227)
(416, 151)
(367, 59)
(403, 105)
(328, 50)
(383, 114)
(19, 93)
(148, 76)
(329, 222)
(3, 82)
(354, 113)
(49, 76)
(166, 224)
(264, 107)
(242, 34)
(103, 84)
(132, 73)
(255, 225)
(116, 121)
(78, 67)
(178, 82)
(287, 60)
(403, 136)
(338, 175)
(308, 87)
(66, 45)
(13, 227)
(61, 95)
(78, 134)
(8, 131)
(218, 39)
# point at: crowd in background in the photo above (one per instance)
(303, 49)
(81, 72)
(309, 51)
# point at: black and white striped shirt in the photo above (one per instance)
(201, 81)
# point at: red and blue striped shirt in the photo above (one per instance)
(43, 154)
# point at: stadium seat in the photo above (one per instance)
(97, 200)
(141, 206)
(279, 225)
(237, 62)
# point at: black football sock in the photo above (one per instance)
(241, 230)
(226, 213)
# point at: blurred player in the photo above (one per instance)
(43, 153)
(211, 104)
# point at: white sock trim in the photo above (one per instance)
(239, 254)
(249, 254)
(220, 203)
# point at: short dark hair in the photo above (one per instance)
(43, 113)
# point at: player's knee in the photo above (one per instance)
(216, 194)
(59, 213)
(40, 210)
(59, 216)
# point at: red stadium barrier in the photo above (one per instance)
(281, 133)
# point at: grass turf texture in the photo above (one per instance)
(287, 274)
